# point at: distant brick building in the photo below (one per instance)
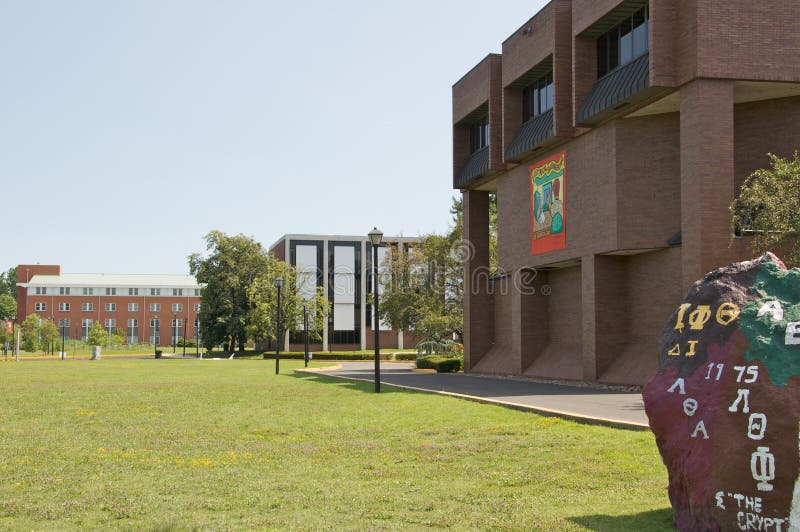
(142, 305)
(615, 134)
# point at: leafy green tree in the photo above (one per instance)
(231, 267)
(423, 289)
(8, 307)
(768, 208)
(48, 334)
(118, 337)
(264, 294)
(8, 283)
(30, 334)
(97, 334)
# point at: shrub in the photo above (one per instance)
(341, 355)
(439, 347)
(405, 356)
(440, 364)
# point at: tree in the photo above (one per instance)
(423, 289)
(48, 334)
(30, 334)
(264, 294)
(118, 337)
(8, 307)
(8, 283)
(233, 264)
(97, 334)
(768, 208)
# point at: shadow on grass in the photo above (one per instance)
(652, 521)
(357, 385)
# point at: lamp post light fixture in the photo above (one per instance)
(278, 285)
(375, 238)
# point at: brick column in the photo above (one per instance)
(478, 308)
(604, 312)
(588, 318)
(584, 71)
(707, 166)
(529, 317)
(562, 69)
(495, 113)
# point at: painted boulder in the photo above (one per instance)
(724, 405)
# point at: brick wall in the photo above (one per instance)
(648, 168)
(530, 44)
(764, 127)
(742, 39)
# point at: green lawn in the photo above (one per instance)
(189, 444)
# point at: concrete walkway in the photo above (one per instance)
(585, 404)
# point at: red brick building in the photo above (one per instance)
(149, 309)
(615, 134)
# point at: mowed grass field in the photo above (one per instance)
(229, 445)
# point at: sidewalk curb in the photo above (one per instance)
(588, 420)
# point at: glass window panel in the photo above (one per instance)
(613, 52)
(640, 40)
(526, 104)
(626, 48)
(638, 18)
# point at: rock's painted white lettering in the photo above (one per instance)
(700, 429)
(762, 466)
(792, 333)
(773, 308)
(751, 371)
(680, 385)
(742, 395)
(720, 367)
(690, 407)
(756, 426)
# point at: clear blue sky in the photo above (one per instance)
(131, 128)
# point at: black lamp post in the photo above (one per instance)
(154, 326)
(197, 337)
(278, 285)
(174, 331)
(183, 330)
(305, 330)
(375, 237)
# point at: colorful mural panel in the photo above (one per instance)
(548, 204)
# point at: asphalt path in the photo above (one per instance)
(615, 407)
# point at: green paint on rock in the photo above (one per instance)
(767, 336)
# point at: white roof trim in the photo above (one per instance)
(113, 280)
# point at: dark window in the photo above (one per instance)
(344, 336)
(627, 41)
(537, 97)
(478, 136)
